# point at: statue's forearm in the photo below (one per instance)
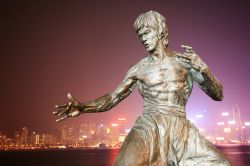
(105, 102)
(101, 104)
(211, 85)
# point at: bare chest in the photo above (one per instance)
(163, 72)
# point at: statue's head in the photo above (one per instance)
(155, 22)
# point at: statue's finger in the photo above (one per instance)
(189, 55)
(69, 96)
(55, 112)
(62, 118)
(58, 111)
(68, 107)
(184, 56)
(61, 106)
(186, 61)
(186, 46)
(62, 112)
(190, 50)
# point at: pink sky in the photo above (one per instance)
(49, 49)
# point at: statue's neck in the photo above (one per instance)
(160, 53)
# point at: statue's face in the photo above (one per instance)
(149, 38)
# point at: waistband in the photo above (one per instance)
(165, 109)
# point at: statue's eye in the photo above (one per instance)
(147, 31)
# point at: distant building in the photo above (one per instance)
(2, 140)
(68, 136)
(48, 139)
(24, 136)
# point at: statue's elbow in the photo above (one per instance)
(219, 96)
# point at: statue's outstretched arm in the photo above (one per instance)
(74, 108)
(202, 74)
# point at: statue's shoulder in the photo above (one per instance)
(143, 61)
(133, 70)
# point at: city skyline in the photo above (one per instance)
(198, 118)
(50, 49)
(227, 129)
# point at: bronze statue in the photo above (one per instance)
(161, 135)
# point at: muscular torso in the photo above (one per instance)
(166, 82)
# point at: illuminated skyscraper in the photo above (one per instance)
(67, 135)
(24, 136)
(238, 122)
(2, 140)
(121, 129)
(48, 139)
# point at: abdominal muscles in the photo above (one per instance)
(167, 93)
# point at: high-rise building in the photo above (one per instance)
(24, 136)
(68, 136)
(17, 138)
(238, 124)
(2, 140)
(48, 139)
(121, 130)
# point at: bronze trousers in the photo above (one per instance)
(163, 138)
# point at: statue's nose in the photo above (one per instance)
(143, 39)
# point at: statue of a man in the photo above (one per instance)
(161, 135)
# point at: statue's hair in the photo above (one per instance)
(155, 21)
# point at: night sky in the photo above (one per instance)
(85, 47)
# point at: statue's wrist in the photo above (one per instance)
(203, 68)
(80, 107)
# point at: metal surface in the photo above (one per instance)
(162, 135)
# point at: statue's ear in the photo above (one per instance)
(160, 30)
(161, 27)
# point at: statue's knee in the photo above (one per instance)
(125, 160)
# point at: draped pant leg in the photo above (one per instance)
(134, 151)
(201, 152)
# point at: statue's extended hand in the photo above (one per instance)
(69, 109)
(190, 57)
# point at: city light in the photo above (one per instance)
(247, 123)
(231, 122)
(199, 116)
(121, 138)
(114, 124)
(227, 130)
(201, 130)
(219, 138)
(127, 130)
(208, 137)
(235, 141)
(220, 123)
(108, 130)
(224, 113)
